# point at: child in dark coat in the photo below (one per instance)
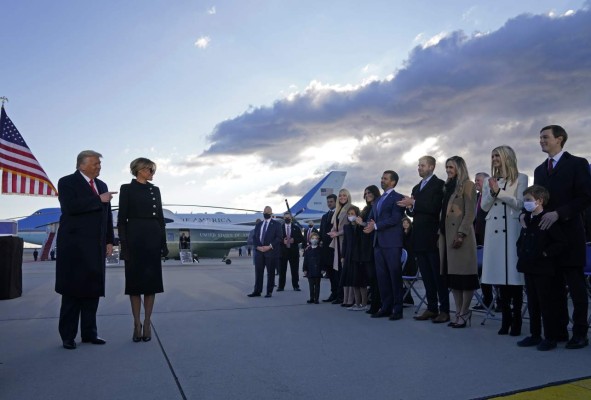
(538, 251)
(312, 267)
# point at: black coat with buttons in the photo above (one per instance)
(142, 236)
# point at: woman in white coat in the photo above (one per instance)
(502, 198)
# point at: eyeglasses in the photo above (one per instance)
(152, 170)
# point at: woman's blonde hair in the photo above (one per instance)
(462, 174)
(508, 169)
(140, 163)
(340, 207)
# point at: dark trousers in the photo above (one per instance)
(435, 285)
(78, 309)
(314, 284)
(487, 294)
(336, 289)
(389, 273)
(294, 265)
(374, 290)
(575, 280)
(262, 261)
(544, 294)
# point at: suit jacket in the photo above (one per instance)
(296, 235)
(273, 237)
(569, 185)
(425, 214)
(327, 251)
(388, 220)
(479, 221)
(86, 227)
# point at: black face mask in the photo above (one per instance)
(266, 216)
(288, 220)
(311, 226)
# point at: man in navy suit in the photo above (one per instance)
(568, 180)
(85, 238)
(290, 253)
(387, 224)
(267, 242)
(424, 206)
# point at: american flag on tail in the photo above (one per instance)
(21, 172)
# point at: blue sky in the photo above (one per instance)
(245, 103)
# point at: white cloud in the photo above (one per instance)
(211, 11)
(203, 42)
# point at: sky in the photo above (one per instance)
(247, 103)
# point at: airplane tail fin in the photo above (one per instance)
(315, 199)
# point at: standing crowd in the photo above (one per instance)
(529, 236)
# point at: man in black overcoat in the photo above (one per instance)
(85, 238)
(568, 180)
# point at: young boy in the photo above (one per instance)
(538, 251)
(312, 267)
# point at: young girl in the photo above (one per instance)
(354, 277)
(312, 267)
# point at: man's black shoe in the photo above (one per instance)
(529, 341)
(297, 289)
(254, 294)
(329, 300)
(380, 314)
(395, 317)
(96, 340)
(69, 344)
(546, 345)
(280, 289)
(268, 295)
(337, 301)
(577, 343)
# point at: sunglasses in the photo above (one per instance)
(152, 170)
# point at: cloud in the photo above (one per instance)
(461, 94)
(211, 11)
(203, 42)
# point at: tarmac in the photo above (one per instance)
(210, 341)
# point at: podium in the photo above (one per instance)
(11, 267)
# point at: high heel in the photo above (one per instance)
(467, 320)
(147, 332)
(137, 333)
(453, 324)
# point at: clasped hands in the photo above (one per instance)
(264, 249)
(371, 226)
(406, 202)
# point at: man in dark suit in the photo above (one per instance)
(267, 242)
(568, 180)
(424, 206)
(290, 253)
(85, 238)
(307, 233)
(387, 224)
(327, 252)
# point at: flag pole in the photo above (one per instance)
(4, 100)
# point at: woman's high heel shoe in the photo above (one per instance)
(466, 320)
(453, 324)
(147, 332)
(137, 333)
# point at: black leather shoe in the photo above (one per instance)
(96, 340)
(529, 341)
(268, 295)
(546, 345)
(69, 344)
(395, 317)
(254, 294)
(280, 289)
(337, 301)
(380, 314)
(577, 343)
(297, 289)
(329, 300)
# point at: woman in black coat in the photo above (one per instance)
(143, 242)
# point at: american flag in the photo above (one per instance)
(21, 172)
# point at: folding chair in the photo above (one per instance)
(488, 310)
(409, 282)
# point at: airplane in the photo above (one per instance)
(212, 235)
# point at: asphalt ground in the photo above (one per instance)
(210, 341)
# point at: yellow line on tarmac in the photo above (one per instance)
(575, 390)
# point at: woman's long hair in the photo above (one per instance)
(462, 174)
(373, 189)
(340, 207)
(508, 169)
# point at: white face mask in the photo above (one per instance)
(313, 242)
(351, 218)
(529, 205)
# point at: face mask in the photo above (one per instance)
(314, 242)
(288, 220)
(529, 205)
(266, 216)
(311, 226)
(351, 218)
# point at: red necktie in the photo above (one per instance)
(93, 187)
(550, 165)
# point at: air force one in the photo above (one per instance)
(211, 235)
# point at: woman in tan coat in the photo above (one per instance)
(457, 243)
